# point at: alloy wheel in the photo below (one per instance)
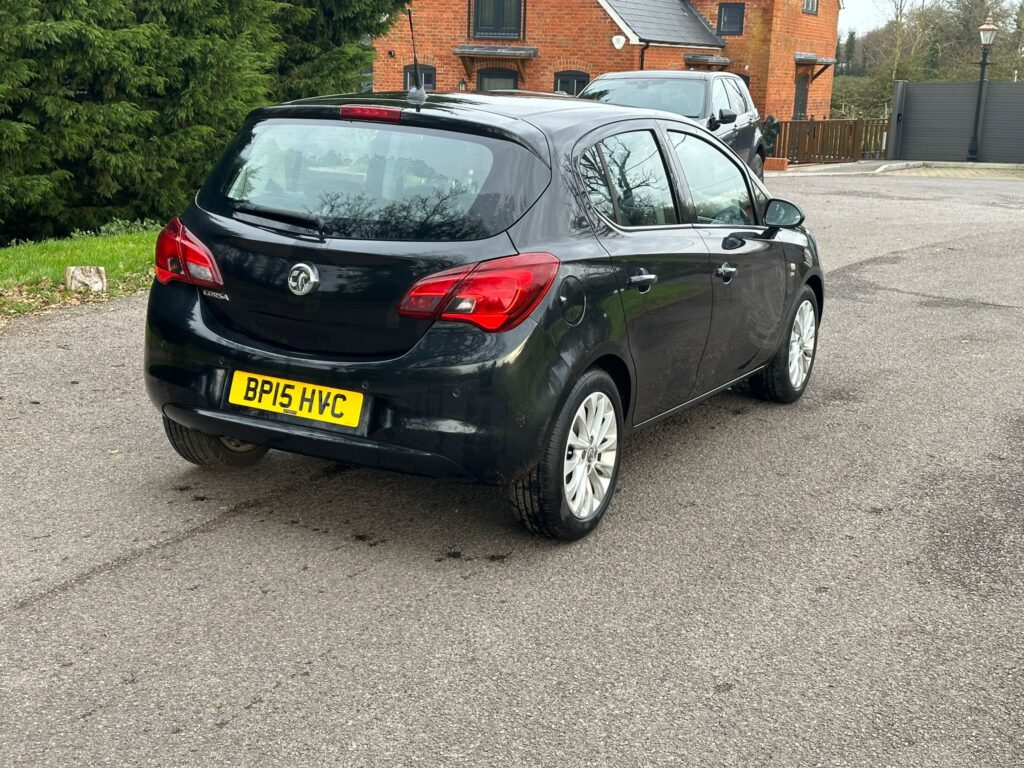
(590, 455)
(801, 344)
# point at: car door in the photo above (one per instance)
(746, 120)
(665, 275)
(748, 261)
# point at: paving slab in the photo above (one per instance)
(960, 172)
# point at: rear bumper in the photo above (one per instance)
(460, 404)
(318, 442)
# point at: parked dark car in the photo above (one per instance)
(497, 289)
(718, 100)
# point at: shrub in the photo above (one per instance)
(116, 109)
(856, 97)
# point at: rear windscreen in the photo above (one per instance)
(682, 97)
(377, 181)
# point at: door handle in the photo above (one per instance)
(643, 280)
(725, 272)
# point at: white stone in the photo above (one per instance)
(91, 279)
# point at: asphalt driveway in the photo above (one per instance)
(836, 583)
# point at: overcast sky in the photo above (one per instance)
(862, 15)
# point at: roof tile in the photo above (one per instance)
(666, 21)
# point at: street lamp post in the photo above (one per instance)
(988, 36)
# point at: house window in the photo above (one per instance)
(497, 79)
(571, 82)
(730, 18)
(811, 6)
(428, 76)
(498, 18)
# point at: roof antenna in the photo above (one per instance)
(417, 93)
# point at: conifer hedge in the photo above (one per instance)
(116, 109)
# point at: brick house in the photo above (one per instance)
(784, 48)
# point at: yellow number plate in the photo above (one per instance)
(307, 401)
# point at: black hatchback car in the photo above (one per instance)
(718, 100)
(496, 289)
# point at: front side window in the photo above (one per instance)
(497, 18)
(717, 187)
(811, 6)
(640, 189)
(730, 18)
(376, 181)
(760, 199)
(497, 79)
(736, 97)
(428, 76)
(719, 97)
(571, 82)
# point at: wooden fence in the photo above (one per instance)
(831, 141)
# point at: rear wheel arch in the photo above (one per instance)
(610, 362)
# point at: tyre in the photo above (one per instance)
(210, 450)
(567, 493)
(757, 166)
(787, 373)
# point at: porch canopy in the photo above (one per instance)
(813, 60)
(516, 55)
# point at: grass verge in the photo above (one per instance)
(32, 274)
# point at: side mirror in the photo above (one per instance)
(726, 116)
(783, 214)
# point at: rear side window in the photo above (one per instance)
(633, 177)
(378, 181)
(595, 183)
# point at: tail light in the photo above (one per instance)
(180, 256)
(493, 295)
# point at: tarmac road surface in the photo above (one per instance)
(834, 583)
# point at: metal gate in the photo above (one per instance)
(934, 121)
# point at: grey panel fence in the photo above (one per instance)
(934, 121)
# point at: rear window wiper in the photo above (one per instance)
(302, 222)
